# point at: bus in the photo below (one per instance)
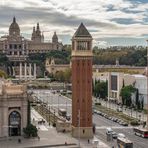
(124, 143)
(142, 132)
(62, 112)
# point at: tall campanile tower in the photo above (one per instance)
(82, 83)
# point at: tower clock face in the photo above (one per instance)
(13, 32)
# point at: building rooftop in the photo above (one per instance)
(82, 32)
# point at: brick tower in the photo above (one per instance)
(82, 83)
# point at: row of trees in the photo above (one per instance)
(127, 92)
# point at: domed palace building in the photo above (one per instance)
(17, 49)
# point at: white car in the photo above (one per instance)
(110, 131)
(121, 135)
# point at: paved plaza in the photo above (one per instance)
(48, 138)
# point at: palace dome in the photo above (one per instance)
(14, 28)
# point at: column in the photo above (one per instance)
(25, 71)
(13, 71)
(30, 70)
(20, 70)
(34, 70)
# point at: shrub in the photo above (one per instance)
(134, 123)
(30, 131)
(98, 103)
(54, 125)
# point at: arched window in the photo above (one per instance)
(14, 123)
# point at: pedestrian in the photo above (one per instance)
(38, 138)
(19, 140)
(65, 143)
(88, 141)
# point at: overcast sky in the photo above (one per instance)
(111, 22)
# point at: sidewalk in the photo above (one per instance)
(48, 138)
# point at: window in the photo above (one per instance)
(81, 45)
(15, 46)
(10, 46)
(5, 46)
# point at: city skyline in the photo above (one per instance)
(110, 22)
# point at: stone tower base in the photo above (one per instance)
(83, 132)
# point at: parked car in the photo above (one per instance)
(124, 124)
(115, 119)
(68, 117)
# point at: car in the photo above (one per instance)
(121, 135)
(109, 130)
(68, 117)
(119, 120)
(115, 119)
(98, 112)
(114, 135)
(124, 124)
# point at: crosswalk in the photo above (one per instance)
(114, 127)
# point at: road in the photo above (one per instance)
(57, 101)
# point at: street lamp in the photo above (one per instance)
(58, 102)
(79, 127)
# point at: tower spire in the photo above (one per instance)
(14, 19)
(38, 26)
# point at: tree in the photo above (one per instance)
(3, 74)
(137, 102)
(126, 93)
(30, 131)
(101, 89)
(142, 103)
(67, 75)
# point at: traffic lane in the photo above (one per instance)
(101, 134)
(127, 131)
(102, 121)
(138, 142)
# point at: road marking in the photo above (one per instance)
(114, 127)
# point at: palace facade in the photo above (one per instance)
(17, 50)
(14, 44)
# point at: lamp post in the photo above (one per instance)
(58, 103)
(79, 127)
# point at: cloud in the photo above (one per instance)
(110, 18)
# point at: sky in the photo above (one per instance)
(110, 22)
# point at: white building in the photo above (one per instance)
(116, 80)
(141, 85)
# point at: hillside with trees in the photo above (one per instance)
(126, 55)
